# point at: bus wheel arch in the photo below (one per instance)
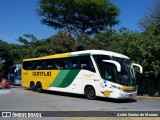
(32, 86)
(39, 87)
(90, 92)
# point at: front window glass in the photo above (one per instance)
(99, 61)
(126, 76)
(18, 73)
(108, 71)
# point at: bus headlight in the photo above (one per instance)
(125, 88)
(119, 88)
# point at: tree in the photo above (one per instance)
(152, 17)
(15, 53)
(103, 40)
(5, 59)
(143, 48)
(4, 51)
(61, 43)
(31, 46)
(78, 16)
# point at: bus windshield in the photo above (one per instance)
(127, 74)
(108, 71)
(18, 73)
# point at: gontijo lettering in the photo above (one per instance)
(41, 73)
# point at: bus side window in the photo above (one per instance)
(49, 67)
(61, 64)
(27, 65)
(39, 68)
(37, 65)
(86, 63)
(49, 64)
(91, 66)
(73, 64)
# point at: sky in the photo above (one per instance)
(18, 17)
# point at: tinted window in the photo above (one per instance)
(38, 65)
(73, 63)
(68, 63)
(34, 65)
(99, 61)
(60, 64)
(86, 63)
(108, 72)
(27, 65)
(49, 65)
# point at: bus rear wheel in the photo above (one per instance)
(32, 86)
(90, 93)
(39, 87)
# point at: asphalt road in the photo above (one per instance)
(21, 99)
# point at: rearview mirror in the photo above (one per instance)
(115, 63)
(137, 65)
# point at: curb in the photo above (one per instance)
(148, 97)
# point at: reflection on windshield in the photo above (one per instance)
(108, 71)
(127, 75)
(18, 73)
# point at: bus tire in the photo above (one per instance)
(32, 86)
(39, 87)
(90, 93)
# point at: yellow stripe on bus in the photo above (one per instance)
(50, 57)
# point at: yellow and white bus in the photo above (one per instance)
(90, 72)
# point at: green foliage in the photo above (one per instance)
(78, 16)
(81, 17)
(102, 41)
(15, 53)
(82, 42)
(5, 58)
(4, 51)
(32, 47)
(143, 48)
(61, 43)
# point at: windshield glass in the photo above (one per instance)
(127, 75)
(18, 73)
(108, 70)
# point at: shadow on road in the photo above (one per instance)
(128, 100)
(125, 100)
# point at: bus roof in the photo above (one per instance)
(17, 65)
(80, 53)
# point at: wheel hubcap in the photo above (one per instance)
(91, 93)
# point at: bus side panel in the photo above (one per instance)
(46, 77)
(79, 81)
(67, 81)
(90, 79)
(73, 81)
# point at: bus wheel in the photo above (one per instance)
(32, 86)
(39, 87)
(90, 93)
